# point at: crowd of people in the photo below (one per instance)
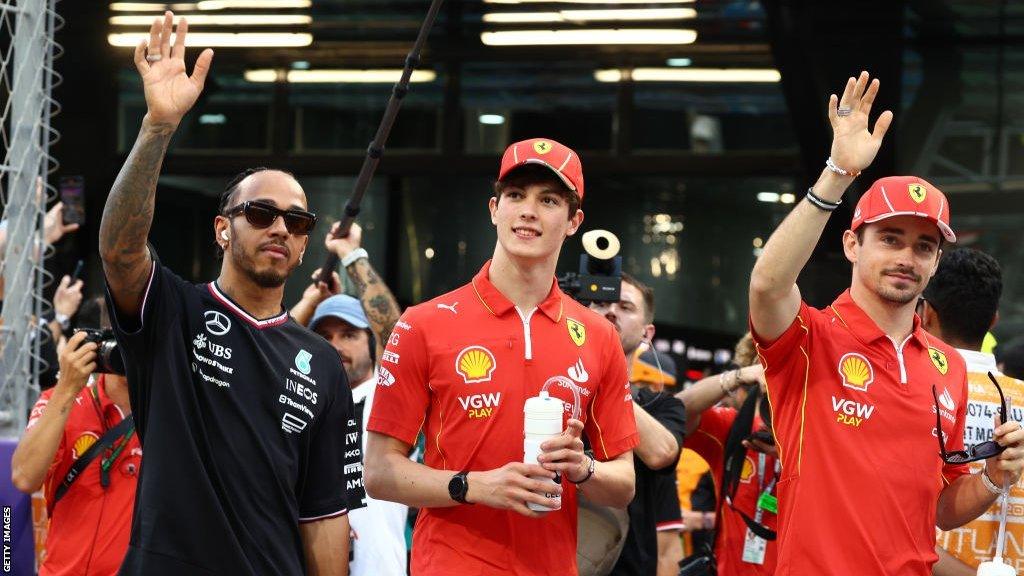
(240, 437)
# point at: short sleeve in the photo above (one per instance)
(323, 490)
(786, 362)
(955, 441)
(402, 396)
(667, 513)
(670, 413)
(39, 407)
(610, 425)
(708, 440)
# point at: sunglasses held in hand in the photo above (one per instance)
(262, 215)
(976, 452)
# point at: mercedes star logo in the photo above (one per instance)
(216, 323)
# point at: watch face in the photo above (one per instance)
(457, 487)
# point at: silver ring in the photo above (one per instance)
(154, 57)
(844, 111)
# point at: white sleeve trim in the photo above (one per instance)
(341, 512)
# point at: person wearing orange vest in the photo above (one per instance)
(861, 396)
(960, 305)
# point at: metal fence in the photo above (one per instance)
(27, 79)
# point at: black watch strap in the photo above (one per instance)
(458, 487)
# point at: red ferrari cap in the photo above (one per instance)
(903, 196)
(559, 158)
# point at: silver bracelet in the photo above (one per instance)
(354, 255)
(990, 485)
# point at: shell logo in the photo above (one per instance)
(748, 470)
(83, 443)
(475, 364)
(917, 192)
(856, 371)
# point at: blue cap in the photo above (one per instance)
(341, 306)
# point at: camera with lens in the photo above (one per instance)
(600, 274)
(108, 356)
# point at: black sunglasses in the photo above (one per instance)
(976, 452)
(262, 215)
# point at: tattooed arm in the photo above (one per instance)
(128, 213)
(378, 302)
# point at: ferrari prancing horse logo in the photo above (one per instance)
(917, 192)
(577, 331)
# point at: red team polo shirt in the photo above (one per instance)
(461, 367)
(854, 419)
(89, 527)
(708, 440)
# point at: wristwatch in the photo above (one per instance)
(63, 320)
(458, 486)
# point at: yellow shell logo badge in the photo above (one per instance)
(475, 364)
(542, 147)
(82, 444)
(577, 331)
(856, 371)
(939, 360)
(748, 470)
(917, 192)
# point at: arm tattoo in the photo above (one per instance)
(128, 214)
(378, 302)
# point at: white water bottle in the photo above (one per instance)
(995, 568)
(542, 421)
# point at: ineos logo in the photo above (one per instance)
(216, 323)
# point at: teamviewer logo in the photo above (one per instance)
(292, 424)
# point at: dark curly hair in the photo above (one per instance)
(965, 294)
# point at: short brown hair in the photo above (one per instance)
(537, 174)
(746, 353)
(646, 291)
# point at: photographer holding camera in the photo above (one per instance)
(81, 446)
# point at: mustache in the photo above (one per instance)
(282, 245)
(904, 271)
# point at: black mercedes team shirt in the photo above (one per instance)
(244, 423)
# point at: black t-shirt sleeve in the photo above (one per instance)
(670, 413)
(667, 514)
(139, 337)
(323, 492)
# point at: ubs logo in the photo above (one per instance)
(216, 323)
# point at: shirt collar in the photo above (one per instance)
(497, 304)
(360, 392)
(979, 362)
(866, 329)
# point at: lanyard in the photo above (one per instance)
(108, 462)
(761, 460)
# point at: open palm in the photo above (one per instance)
(853, 146)
(170, 91)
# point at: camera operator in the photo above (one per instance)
(719, 430)
(660, 421)
(81, 447)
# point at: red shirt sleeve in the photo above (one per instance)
(39, 408)
(708, 440)
(610, 425)
(401, 399)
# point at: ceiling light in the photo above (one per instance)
(492, 119)
(379, 76)
(787, 198)
(570, 37)
(591, 15)
(223, 19)
(589, 1)
(151, 7)
(691, 75)
(678, 62)
(228, 4)
(213, 119)
(770, 197)
(222, 40)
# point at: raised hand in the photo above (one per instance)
(853, 146)
(344, 246)
(170, 91)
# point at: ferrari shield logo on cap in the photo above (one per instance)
(577, 331)
(542, 147)
(939, 360)
(856, 371)
(917, 192)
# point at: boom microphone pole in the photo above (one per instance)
(376, 148)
